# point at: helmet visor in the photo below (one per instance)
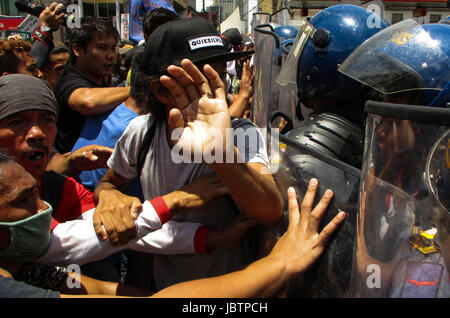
(287, 74)
(401, 58)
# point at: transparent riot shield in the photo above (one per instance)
(399, 246)
(281, 17)
(288, 99)
(259, 18)
(265, 62)
(330, 276)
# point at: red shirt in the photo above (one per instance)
(75, 200)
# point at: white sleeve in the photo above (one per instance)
(173, 238)
(76, 242)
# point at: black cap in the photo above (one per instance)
(195, 39)
(234, 36)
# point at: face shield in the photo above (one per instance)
(287, 74)
(398, 248)
(402, 63)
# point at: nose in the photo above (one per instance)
(40, 74)
(35, 133)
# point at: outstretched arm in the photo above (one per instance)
(293, 254)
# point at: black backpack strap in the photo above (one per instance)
(52, 188)
(145, 146)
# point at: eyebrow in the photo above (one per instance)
(25, 191)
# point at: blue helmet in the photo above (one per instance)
(338, 31)
(440, 33)
(405, 63)
(285, 32)
(286, 35)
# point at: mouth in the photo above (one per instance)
(36, 156)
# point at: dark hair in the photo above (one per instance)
(89, 26)
(155, 18)
(8, 50)
(58, 50)
(138, 80)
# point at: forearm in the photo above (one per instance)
(253, 189)
(76, 242)
(97, 100)
(96, 288)
(239, 105)
(62, 164)
(262, 278)
(111, 182)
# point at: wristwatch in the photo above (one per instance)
(45, 28)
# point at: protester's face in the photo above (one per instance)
(99, 56)
(54, 69)
(28, 65)
(28, 137)
(221, 69)
(19, 197)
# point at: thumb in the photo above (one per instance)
(175, 119)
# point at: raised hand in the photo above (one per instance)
(200, 118)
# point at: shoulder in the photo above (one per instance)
(71, 79)
(137, 126)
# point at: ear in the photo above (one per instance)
(5, 238)
(5, 73)
(76, 49)
(161, 92)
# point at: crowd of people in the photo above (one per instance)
(88, 136)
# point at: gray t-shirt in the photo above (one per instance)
(161, 175)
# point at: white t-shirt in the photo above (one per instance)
(161, 175)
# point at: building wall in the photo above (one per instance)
(392, 15)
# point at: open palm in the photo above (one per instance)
(200, 119)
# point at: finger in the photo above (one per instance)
(308, 201)
(120, 229)
(110, 229)
(98, 227)
(331, 227)
(175, 120)
(319, 210)
(176, 90)
(60, 16)
(294, 215)
(185, 80)
(199, 79)
(53, 6)
(217, 85)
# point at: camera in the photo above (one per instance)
(25, 6)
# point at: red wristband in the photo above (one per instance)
(161, 209)
(200, 240)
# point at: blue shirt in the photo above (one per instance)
(105, 130)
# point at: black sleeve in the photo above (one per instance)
(42, 46)
(66, 85)
(40, 52)
(12, 289)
